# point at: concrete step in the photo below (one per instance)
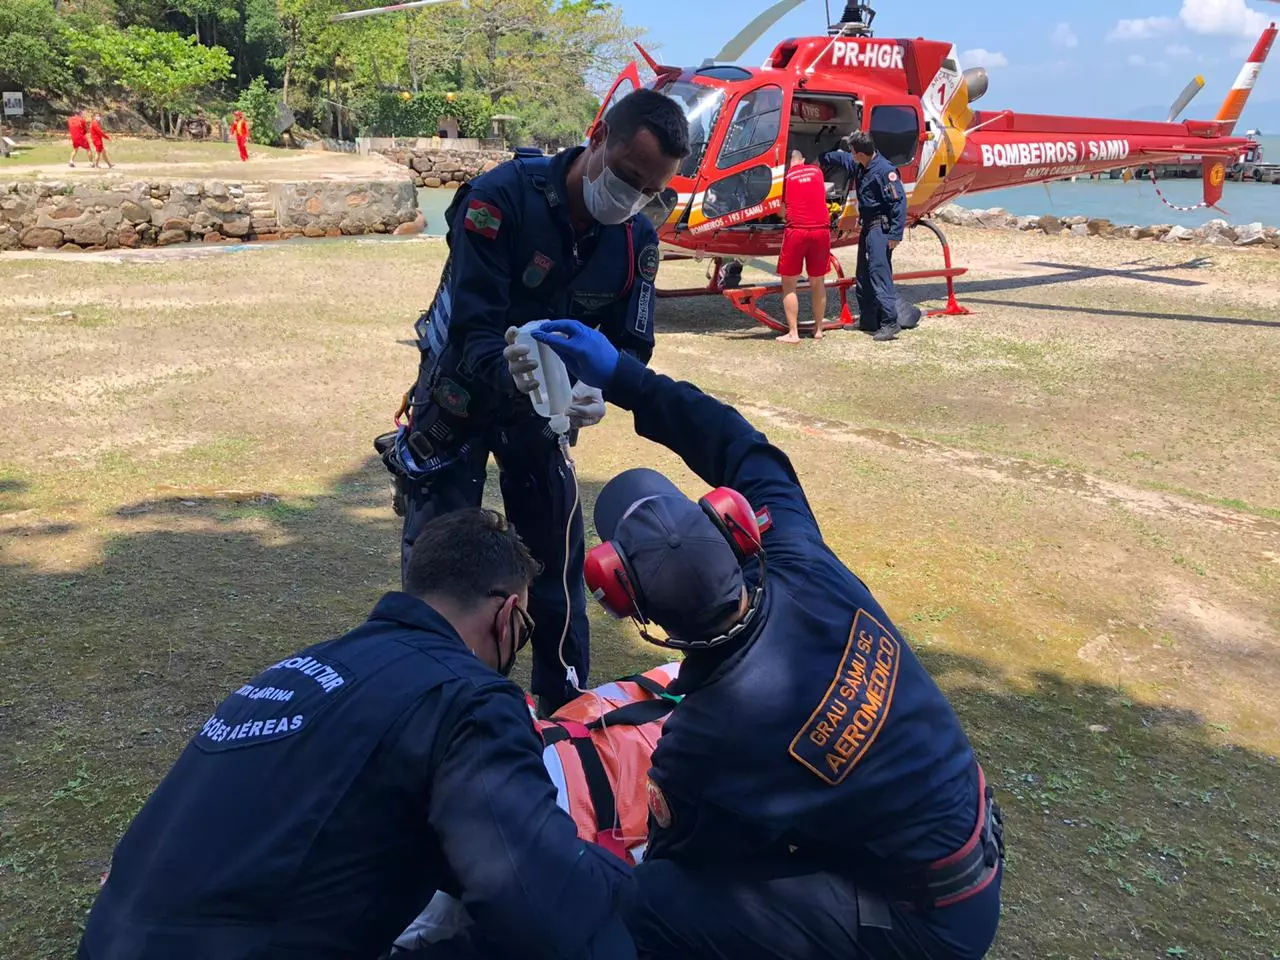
(267, 224)
(266, 209)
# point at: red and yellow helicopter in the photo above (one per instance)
(915, 99)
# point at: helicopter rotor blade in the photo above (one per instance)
(393, 8)
(754, 30)
(1185, 97)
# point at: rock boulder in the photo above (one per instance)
(1250, 235)
(41, 237)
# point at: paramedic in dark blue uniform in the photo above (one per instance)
(813, 794)
(882, 216)
(537, 238)
(325, 801)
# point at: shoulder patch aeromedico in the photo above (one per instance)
(851, 714)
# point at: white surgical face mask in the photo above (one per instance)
(609, 198)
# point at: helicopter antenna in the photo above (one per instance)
(854, 22)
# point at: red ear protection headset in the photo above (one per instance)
(613, 583)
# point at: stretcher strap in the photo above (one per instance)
(648, 684)
(635, 714)
(598, 786)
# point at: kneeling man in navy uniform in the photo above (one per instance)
(813, 794)
(325, 801)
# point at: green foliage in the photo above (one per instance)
(543, 61)
(396, 115)
(560, 120)
(163, 70)
(33, 47)
(474, 113)
(261, 106)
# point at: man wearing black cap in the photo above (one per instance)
(813, 794)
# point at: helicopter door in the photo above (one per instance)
(740, 179)
(897, 130)
(628, 82)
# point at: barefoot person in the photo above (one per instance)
(98, 135)
(806, 243)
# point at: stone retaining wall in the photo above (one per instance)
(317, 209)
(1216, 233)
(104, 215)
(445, 168)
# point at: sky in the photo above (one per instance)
(1087, 57)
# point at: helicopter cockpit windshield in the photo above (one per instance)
(701, 105)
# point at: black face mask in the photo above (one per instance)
(524, 630)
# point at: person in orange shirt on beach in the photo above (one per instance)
(77, 124)
(240, 129)
(98, 135)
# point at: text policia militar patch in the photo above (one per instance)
(847, 721)
(279, 702)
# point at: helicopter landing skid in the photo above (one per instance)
(746, 299)
(948, 273)
(720, 277)
(723, 279)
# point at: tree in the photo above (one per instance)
(310, 46)
(163, 70)
(261, 106)
(530, 49)
(33, 47)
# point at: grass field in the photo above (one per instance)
(1070, 502)
(176, 159)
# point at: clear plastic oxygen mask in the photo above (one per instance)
(554, 393)
(551, 399)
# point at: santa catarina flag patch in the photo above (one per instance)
(483, 218)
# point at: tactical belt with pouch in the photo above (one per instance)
(921, 889)
(961, 875)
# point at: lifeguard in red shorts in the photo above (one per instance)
(98, 135)
(806, 243)
(240, 129)
(77, 129)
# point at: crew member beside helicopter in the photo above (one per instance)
(882, 218)
(806, 243)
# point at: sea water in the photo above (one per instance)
(433, 201)
(1136, 202)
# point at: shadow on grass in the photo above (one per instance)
(920, 292)
(1133, 831)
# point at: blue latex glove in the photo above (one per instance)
(587, 354)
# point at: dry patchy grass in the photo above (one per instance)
(1068, 501)
(136, 157)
